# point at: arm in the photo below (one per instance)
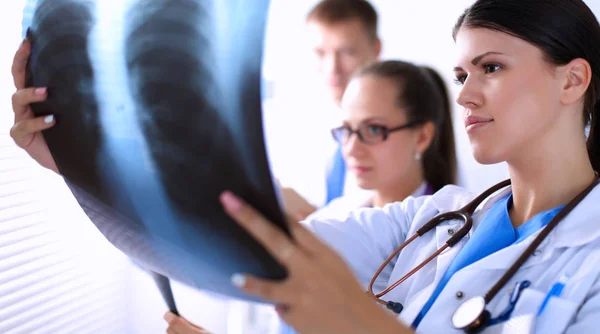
(368, 236)
(320, 294)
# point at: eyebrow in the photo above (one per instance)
(477, 59)
(369, 120)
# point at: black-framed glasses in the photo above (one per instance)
(369, 133)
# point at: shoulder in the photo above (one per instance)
(412, 208)
(448, 198)
(340, 207)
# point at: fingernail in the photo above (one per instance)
(169, 316)
(238, 280)
(40, 91)
(49, 119)
(230, 202)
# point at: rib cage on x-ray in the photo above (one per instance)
(69, 27)
(162, 55)
(158, 111)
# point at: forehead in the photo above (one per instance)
(472, 42)
(347, 32)
(370, 96)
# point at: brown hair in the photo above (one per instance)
(423, 94)
(563, 30)
(335, 11)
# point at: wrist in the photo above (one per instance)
(377, 319)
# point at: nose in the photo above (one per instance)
(353, 147)
(332, 63)
(470, 95)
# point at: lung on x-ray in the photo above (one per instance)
(158, 110)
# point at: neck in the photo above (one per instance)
(396, 193)
(547, 177)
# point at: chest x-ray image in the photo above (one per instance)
(158, 110)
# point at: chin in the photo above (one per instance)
(485, 156)
(366, 184)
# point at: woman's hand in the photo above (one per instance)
(295, 205)
(26, 131)
(179, 325)
(320, 294)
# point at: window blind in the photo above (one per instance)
(57, 273)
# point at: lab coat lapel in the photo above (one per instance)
(445, 231)
(580, 227)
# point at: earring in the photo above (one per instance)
(418, 156)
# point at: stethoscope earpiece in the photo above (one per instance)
(394, 306)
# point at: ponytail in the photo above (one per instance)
(593, 142)
(439, 160)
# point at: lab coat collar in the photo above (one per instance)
(446, 202)
(580, 227)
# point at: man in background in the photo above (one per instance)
(343, 37)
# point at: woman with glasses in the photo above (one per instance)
(397, 138)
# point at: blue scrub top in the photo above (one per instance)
(336, 176)
(494, 233)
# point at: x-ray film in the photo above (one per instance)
(158, 110)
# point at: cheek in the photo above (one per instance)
(520, 107)
(394, 158)
(524, 104)
(350, 63)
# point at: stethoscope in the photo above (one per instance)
(471, 316)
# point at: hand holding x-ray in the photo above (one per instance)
(154, 109)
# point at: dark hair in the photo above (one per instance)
(563, 29)
(423, 95)
(335, 11)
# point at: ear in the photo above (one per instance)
(425, 135)
(577, 75)
(377, 48)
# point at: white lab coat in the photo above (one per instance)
(368, 236)
(340, 207)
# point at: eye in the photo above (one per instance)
(375, 130)
(491, 68)
(460, 79)
(347, 52)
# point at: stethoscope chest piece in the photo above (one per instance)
(471, 316)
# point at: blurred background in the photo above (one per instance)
(57, 272)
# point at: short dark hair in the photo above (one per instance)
(563, 29)
(335, 11)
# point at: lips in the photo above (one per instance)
(476, 121)
(359, 170)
